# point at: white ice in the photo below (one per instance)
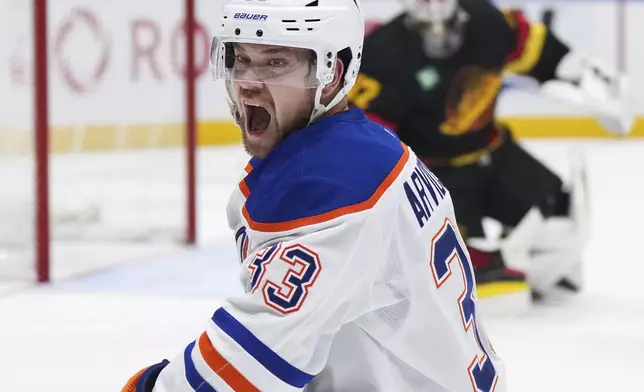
(90, 332)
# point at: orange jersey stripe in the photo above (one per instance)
(223, 368)
(327, 216)
(244, 189)
(248, 168)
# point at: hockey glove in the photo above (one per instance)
(592, 86)
(144, 380)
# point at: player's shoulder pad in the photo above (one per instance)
(339, 165)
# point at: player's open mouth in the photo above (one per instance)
(257, 118)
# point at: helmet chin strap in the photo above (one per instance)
(319, 109)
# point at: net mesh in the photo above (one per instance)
(16, 153)
(116, 111)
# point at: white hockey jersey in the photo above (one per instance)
(355, 274)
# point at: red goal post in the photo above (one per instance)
(68, 156)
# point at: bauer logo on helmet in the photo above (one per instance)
(243, 15)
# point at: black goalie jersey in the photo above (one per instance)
(445, 108)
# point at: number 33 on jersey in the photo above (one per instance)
(300, 267)
(285, 296)
(355, 277)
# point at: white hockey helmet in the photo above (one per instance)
(324, 26)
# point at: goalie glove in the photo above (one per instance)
(592, 86)
(144, 380)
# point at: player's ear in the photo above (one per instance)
(331, 89)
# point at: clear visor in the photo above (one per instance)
(265, 64)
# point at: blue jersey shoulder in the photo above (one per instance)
(335, 166)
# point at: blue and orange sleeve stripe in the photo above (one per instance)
(227, 371)
(195, 379)
(222, 367)
(263, 354)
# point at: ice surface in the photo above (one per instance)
(92, 332)
(109, 208)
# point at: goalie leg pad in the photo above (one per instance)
(559, 244)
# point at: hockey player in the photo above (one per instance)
(433, 74)
(355, 274)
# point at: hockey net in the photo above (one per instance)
(117, 161)
(118, 172)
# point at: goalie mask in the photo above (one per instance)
(441, 24)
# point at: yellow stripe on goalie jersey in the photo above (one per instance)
(494, 289)
(365, 90)
(510, 16)
(531, 52)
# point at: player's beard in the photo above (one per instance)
(263, 128)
